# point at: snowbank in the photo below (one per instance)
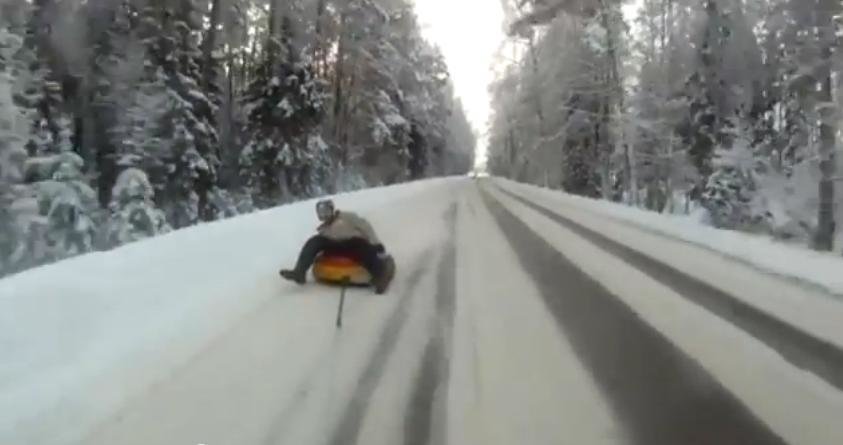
(81, 337)
(817, 269)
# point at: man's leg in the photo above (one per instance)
(312, 248)
(369, 257)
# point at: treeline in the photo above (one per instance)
(724, 108)
(123, 119)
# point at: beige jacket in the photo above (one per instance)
(349, 225)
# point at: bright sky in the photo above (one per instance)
(469, 32)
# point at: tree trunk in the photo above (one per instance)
(666, 11)
(606, 174)
(229, 177)
(319, 52)
(630, 174)
(249, 62)
(613, 95)
(272, 43)
(209, 44)
(534, 59)
(669, 208)
(339, 100)
(824, 238)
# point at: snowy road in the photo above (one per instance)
(514, 319)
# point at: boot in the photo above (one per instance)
(382, 280)
(294, 275)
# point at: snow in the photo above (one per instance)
(308, 371)
(82, 337)
(783, 295)
(133, 212)
(315, 144)
(814, 268)
(191, 337)
(380, 131)
(132, 183)
(285, 156)
(304, 368)
(509, 354)
(44, 167)
(197, 95)
(767, 384)
(395, 120)
(286, 108)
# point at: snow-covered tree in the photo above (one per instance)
(68, 204)
(17, 216)
(108, 85)
(224, 106)
(134, 215)
(562, 124)
(170, 129)
(461, 140)
(827, 42)
(705, 83)
(284, 105)
(65, 201)
(729, 193)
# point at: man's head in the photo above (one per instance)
(325, 210)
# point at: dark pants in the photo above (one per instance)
(357, 248)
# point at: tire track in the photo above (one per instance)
(304, 390)
(817, 356)
(425, 421)
(419, 422)
(661, 395)
(351, 421)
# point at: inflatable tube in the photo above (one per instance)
(334, 269)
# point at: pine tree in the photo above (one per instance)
(118, 105)
(730, 188)
(112, 73)
(134, 215)
(17, 219)
(65, 199)
(284, 105)
(172, 116)
(461, 139)
(827, 39)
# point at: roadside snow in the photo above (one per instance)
(813, 268)
(765, 383)
(809, 308)
(81, 337)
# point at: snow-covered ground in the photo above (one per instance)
(770, 386)
(795, 262)
(495, 331)
(81, 337)
(782, 293)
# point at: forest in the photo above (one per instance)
(125, 119)
(725, 110)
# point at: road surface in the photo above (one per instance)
(511, 321)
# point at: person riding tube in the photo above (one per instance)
(347, 234)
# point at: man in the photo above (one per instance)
(344, 232)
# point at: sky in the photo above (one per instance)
(469, 32)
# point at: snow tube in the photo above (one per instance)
(335, 268)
